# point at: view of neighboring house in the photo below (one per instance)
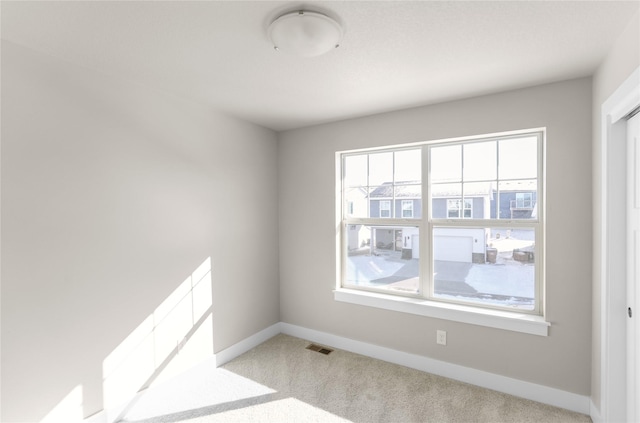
(404, 203)
(448, 204)
(517, 200)
(513, 200)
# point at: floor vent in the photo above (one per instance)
(318, 348)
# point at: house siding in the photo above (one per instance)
(505, 205)
(374, 208)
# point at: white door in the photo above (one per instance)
(633, 268)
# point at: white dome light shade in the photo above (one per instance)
(305, 34)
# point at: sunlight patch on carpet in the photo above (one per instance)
(288, 410)
(201, 388)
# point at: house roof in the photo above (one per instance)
(412, 189)
(477, 189)
(519, 186)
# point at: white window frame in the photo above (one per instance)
(409, 209)
(464, 202)
(424, 303)
(387, 209)
(524, 197)
(450, 209)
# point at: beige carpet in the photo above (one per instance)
(282, 381)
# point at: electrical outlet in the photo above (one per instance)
(441, 337)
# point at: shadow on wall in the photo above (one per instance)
(175, 337)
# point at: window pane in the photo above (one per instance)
(383, 257)
(385, 208)
(457, 208)
(408, 166)
(480, 161)
(487, 266)
(446, 163)
(408, 191)
(380, 200)
(478, 198)
(518, 199)
(381, 168)
(356, 202)
(518, 158)
(355, 171)
(408, 196)
(407, 209)
(468, 209)
(454, 208)
(442, 196)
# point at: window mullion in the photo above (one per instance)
(462, 184)
(426, 273)
(392, 211)
(368, 187)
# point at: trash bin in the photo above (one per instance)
(492, 254)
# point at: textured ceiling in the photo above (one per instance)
(395, 54)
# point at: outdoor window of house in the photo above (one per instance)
(523, 200)
(454, 208)
(385, 208)
(407, 208)
(452, 221)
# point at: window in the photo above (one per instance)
(524, 200)
(454, 208)
(407, 208)
(385, 208)
(478, 241)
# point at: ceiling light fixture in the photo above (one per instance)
(304, 33)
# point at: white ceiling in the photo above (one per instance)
(395, 54)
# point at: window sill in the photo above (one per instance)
(507, 320)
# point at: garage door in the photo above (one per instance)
(453, 248)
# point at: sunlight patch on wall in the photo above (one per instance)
(199, 347)
(68, 410)
(175, 337)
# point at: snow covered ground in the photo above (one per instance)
(507, 282)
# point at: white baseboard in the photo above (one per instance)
(528, 390)
(246, 344)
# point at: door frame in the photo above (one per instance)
(633, 244)
(612, 260)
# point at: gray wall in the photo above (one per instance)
(112, 195)
(306, 162)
